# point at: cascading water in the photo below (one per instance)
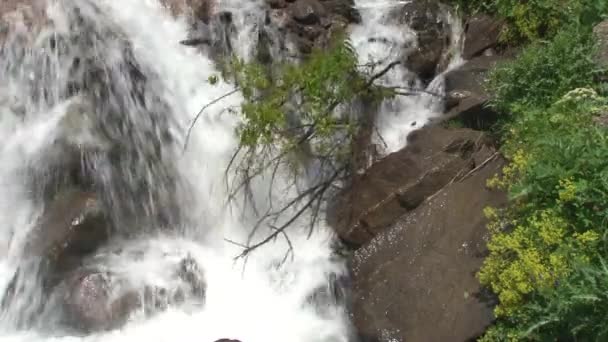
(111, 78)
(380, 42)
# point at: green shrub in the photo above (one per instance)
(530, 20)
(545, 71)
(558, 216)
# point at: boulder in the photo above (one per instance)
(467, 97)
(307, 12)
(433, 158)
(95, 300)
(71, 227)
(345, 9)
(416, 280)
(308, 24)
(481, 33)
(89, 304)
(601, 33)
(425, 17)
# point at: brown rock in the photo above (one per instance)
(197, 9)
(307, 12)
(72, 226)
(467, 97)
(343, 8)
(416, 281)
(401, 181)
(601, 32)
(90, 305)
(481, 33)
(425, 17)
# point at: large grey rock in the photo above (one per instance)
(416, 281)
(71, 227)
(307, 12)
(481, 33)
(467, 95)
(94, 300)
(400, 182)
(601, 33)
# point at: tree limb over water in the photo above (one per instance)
(304, 120)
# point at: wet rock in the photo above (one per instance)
(89, 304)
(196, 9)
(72, 226)
(426, 18)
(343, 8)
(467, 96)
(95, 300)
(481, 33)
(308, 24)
(416, 280)
(307, 12)
(400, 182)
(190, 272)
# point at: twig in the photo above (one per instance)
(235, 90)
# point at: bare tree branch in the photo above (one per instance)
(198, 115)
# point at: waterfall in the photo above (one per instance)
(111, 80)
(97, 103)
(381, 41)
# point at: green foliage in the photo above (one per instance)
(322, 82)
(530, 20)
(545, 71)
(576, 310)
(558, 217)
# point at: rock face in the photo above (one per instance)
(426, 18)
(89, 304)
(416, 280)
(311, 24)
(196, 9)
(72, 226)
(466, 92)
(401, 181)
(481, 33)
(601, 32)
(94, 300)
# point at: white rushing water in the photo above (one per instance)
(380, 41)
(116, 48)
(263, 301)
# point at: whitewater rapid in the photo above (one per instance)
(263, 300)
(380, 41)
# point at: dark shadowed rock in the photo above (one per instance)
(307, 12)
(72, 226)
(481, 33)
(426, 18)
(343, 8)
(416, 281)
(401, 181)
(467, 97)
(308, 24)
(227, 340)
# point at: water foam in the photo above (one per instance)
(266, 299)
